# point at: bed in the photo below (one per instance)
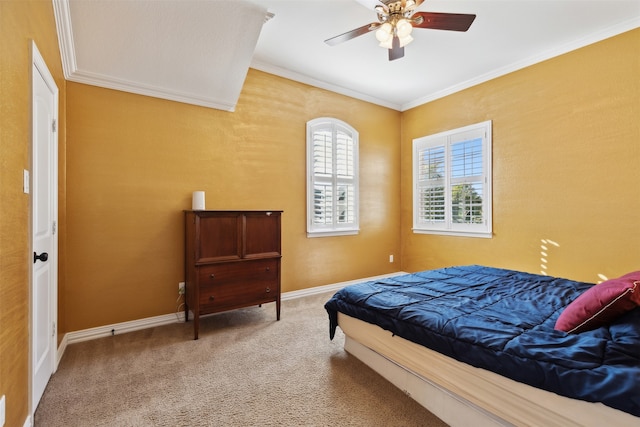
(490, 346)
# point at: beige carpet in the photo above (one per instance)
(247, 369)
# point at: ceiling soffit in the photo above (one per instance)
(192, 51)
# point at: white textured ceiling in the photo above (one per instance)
(198, 51)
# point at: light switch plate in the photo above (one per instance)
(2, 411)
(25, 181)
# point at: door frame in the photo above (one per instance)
(39, 66)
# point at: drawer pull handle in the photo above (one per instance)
(212, 276)
(268, 290)
(211, 298)
(268, 269)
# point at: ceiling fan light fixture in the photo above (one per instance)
(384, 33)
(387, 44)
(405, 40)
(403, 28)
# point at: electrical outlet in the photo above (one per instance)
(181, 288)
(25, 181)
(390, 258)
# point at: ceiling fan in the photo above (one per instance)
(396, 20)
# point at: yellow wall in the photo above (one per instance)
(566, 156)
(133, 162)
(21, 22)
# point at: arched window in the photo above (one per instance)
(332, 178)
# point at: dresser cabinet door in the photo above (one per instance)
(261, 234)
(219, 236)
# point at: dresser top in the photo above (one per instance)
(232, 210)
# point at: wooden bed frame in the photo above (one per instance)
(462, 395)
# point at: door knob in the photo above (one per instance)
(42, 257)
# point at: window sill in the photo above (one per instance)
(331, 233)
(483, 234)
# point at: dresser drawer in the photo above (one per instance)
(229, 296)
(238, 284)
(262, 269)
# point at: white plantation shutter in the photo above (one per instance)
(431, 189)
(452, 182)
(332, 174)
(322, 168)
(467, 181)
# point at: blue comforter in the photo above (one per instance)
(503, 321)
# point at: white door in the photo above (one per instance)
(44, 216)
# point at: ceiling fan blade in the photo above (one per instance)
(396, 52)
(443, 21)
(352, 34)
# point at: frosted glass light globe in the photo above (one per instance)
(403, 28)
(384, 33)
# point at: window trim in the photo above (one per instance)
(446, 138)
(335, 229)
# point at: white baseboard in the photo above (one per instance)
(61, 348)
(332, 287)
(122, 328)
(166, 319)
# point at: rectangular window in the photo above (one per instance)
(452, 182)
(332, 175)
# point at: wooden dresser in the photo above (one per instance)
(232, 260)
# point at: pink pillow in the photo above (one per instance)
(601, 304)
